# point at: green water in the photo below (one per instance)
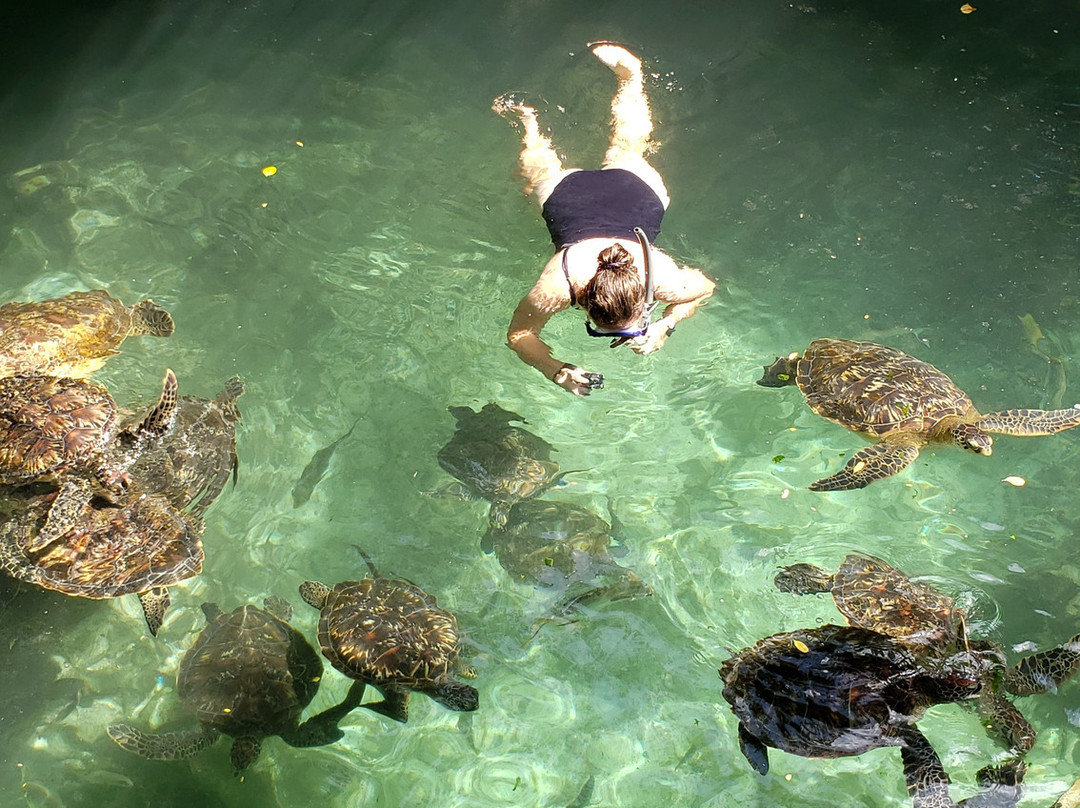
(897, 172)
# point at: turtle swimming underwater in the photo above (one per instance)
(73, 335)
(899, 401)
(249, 675)
(873, 594)
(559, 544)
(135, 544)
(193, 461)
(496, 461)
(392, 635)
(836, 691)
(66, 430)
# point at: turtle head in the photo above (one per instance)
(780, 373)
(972, 439)
(456, 695)
(314, 593)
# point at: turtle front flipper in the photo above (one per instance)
(150, 319)
(1004, 722)
(803, 579)
(154, 603)
(245, 751)
(74, 495)
(163, 745)
(1030, 422)
(927, 782)
(395, 703)
(1045, 671)
(628, 586)
(753, 750)
(1001, 786)
(323, 729)
(160, 418)
(867, 465)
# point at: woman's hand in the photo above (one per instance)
(577, 381)
(655, 338)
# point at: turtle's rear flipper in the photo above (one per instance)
(1030, 422)
(1045, 671)
(927, 782)
(323, 729)
(74, 495)
(149, 318)
(164, 745)
(867, 465)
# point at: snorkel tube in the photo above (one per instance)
(650, 303)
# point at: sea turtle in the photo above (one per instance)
(193, 461)
(496, 461)
(72, 335)
(900, 402)
(392, 635)
(559, 544)
(132, 544)
(249, 675)
(67, 430)
(872, 594)
(836, 691)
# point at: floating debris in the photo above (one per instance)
(1014, 479)
(269, 171)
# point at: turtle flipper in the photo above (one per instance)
(1030, 422)
(803, 579)
(1004, 722)
(867, 465)
(322, 729)
(395, 703)
(245, 751)
(754, 750)
(628, 586)
(160, 418)
(163, 745)
(1002, 786)
(927, 782)
(1045, 671)
(150, 319)
(74, 495)
(154, 602)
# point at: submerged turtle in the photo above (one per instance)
(194, 460)
(249, 675)
(392, 635)
(72, 335)
(559, 544)
(836, 691)
(872, 594)
(900, 402)
(67, 430)
(496, 461)
(135, 544)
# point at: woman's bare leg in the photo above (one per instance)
(540, 164)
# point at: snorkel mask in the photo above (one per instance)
(621, 336)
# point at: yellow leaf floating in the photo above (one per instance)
(1032, 332)
(967, 8)
(802, 646)
(269, 171)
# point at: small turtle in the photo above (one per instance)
(900, 402)
(559, 544)
(872, 594)
(496, 461)
(73, 335)
(135, 544)
(67, 430)
(392, 635)
(837, 691)
(194, 460)
(249, 675)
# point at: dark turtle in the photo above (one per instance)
(72, 335)
(249, 675)
(836, 691)
(873, 594)
(392, 635)
(559, 544)
(194, 460)
(67, 430)
(134, 544)
(899, 401)
(496, 461)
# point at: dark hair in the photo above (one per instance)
(615, 295)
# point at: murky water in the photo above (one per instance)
(900, 173)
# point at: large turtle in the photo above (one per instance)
(900, 402)
(194, 460)
(497, 461)
(836, 691)
(67, 430)
(72, 335)
(873, 594)
(134, 544)
(249, 675)
(558, 544)
(392, 635)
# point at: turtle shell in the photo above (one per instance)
(74, 334)
(249, 673)
(875, 390)
(388, 631)
(129, 546)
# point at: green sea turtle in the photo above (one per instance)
(67, 430)
(73, 335)
(249, 675)
(392, 635)
(496, 461)
(873, 594)
(133, 544)
(837, 691)
(900, 402)
(193, 461)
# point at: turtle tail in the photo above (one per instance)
(150, 319)
(1030, 422)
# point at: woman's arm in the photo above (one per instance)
(683, 289)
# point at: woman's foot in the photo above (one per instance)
(511, 104)
(622, 62)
